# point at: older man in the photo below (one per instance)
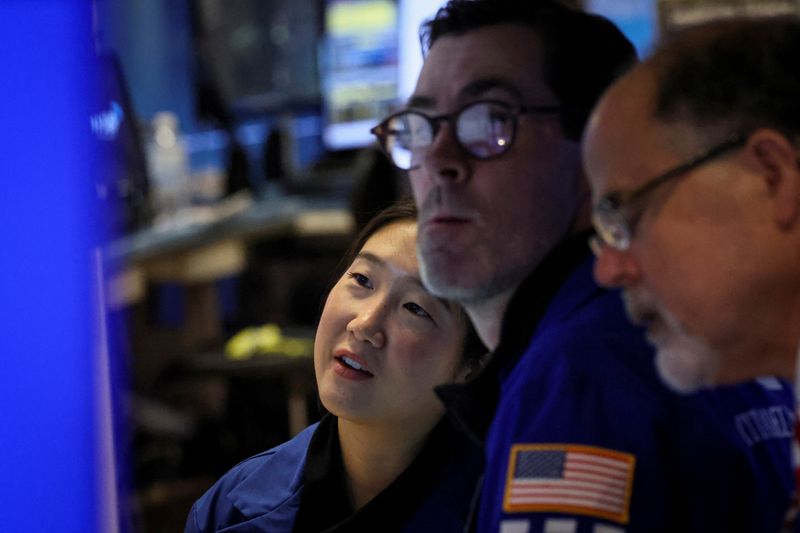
(580, 434)
(693, 162)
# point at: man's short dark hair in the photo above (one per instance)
(583, 53)
(732, 77)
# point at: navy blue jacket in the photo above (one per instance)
(581, 435)
(259, 494)
(264, 493)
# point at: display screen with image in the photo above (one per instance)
(359, 69)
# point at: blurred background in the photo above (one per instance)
(226, 166)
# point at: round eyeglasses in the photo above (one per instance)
(483, 129)
(613, 218)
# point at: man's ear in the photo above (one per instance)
(778, 158)
(472, 368)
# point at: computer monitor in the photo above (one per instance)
(260, 57)
(412, 13)
(636, 19)
(359, 69)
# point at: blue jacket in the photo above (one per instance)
(581, 436)
(263, 493)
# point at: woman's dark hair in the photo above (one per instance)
(397, 212)
(583, 53)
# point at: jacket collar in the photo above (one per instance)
(282, 472)
(471, 406)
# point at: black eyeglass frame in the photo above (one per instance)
(515, 111)
(609, 217)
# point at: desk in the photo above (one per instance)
(198, 254)
(244, 220)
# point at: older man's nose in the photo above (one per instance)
(614, 268)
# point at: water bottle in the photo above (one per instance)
(168, 168)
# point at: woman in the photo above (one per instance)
(383, 458)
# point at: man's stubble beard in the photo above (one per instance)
(685, 363)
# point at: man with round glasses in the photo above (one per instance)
(484, 129)
(579, 432)
(698, 212)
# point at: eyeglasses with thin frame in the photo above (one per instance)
(483, 129)
(613, 220)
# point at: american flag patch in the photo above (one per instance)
(569, 478)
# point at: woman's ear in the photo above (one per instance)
(777, 158)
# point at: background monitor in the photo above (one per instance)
(359, 69)
(262, 55)
(412, 13)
